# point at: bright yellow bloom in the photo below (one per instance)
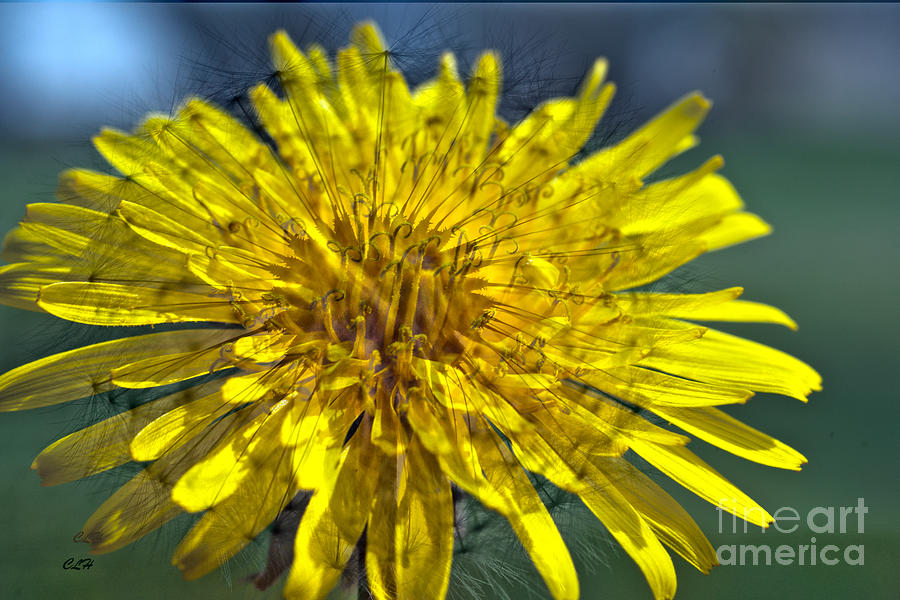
(407, 295)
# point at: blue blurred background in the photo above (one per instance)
(806, 114)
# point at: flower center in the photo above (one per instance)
(405, 289)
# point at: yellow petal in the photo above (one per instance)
(234, 521)
(726, 432)
(311, 112)
(381, 548)
(334, 520)
(263, 347)
(316, 443)
(357, 479)
(228, 272)
(648, 388)
(20, 245)
(20, 283)
(528, 516)
(320, 552)
(673, 203)
(668, 520)
(387, 432)
(727, 360)
(126, 153)
(280, 122)
(593, 99)
(484, 88)
(236, 458)
(144, 503)
(105, 445)
(684, 467)
(133, 511)
(734, 229)
(96, 191)
(367, 37)
(86, 371)
(181, 424)
(65, 242)
(68, 228)
(616, 421)
(424, 531)
(566, 465)
(447, 435)
(661, 138)
(741, 311)
(160, 229)
(443, 105)
(208, 358)
(96, 238)
(222, 137)
(114, 304)
(632, 532)
(675, 305)
(642, 265)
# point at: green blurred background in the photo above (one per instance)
(806, 116)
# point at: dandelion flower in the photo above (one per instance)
(383, 298)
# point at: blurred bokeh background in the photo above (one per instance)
(806, 115)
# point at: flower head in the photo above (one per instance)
(395, 297)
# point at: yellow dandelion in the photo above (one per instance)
(396, 298)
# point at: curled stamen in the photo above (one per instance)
(407, 251)
(395, 233)
(361, 198)
(339, 293)
(362, 179)
(265, 316)
(290, 225)
(466, 266)
(497, 170)
(515, 219)
(359, 253)
(522, 196)
(389, 266)
(615, 257)
(441, 268)
(226, 357)
(371, 248)
(517, 277)
(393, 209)
(509, 238)
(375, 236)
(433, 238)
(464, 167)
(484, 184)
